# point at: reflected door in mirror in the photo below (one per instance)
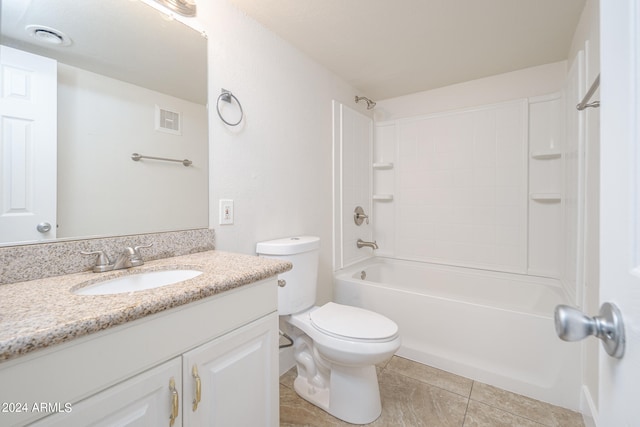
(28, 146)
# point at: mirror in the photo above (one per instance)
(126, 79)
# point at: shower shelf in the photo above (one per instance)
(383, 197)
(546, 155)
(383, 165)
(546, 197)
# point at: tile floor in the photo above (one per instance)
(416, 395)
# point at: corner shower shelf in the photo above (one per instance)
(383, 197)
(546, 197)
(546, 155)
(383, 165)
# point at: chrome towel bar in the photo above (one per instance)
(136, 157)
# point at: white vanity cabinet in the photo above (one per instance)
(148, 399)
(236, 376)
(121, 376)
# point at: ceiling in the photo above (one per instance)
(389, 48)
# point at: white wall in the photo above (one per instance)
(101, 122)
(276, 165)
(529, 82)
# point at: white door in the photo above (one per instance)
(619, 394)
(237, 378)
(28, 135)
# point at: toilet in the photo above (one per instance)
(336, 347)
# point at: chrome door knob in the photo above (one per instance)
(573, 325)
(44, 227)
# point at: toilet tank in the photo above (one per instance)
(299, 292)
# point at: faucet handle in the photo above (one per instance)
(136, 258)
(102, 263)
(359, 216)
(142, 246)
(136, 249)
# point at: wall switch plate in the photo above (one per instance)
(226, 211)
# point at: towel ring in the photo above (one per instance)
(226, 97)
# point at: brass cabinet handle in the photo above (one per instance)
(196, 377)
(175, 402)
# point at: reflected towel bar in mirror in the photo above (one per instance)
(136, 157)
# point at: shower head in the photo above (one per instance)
(370, 103)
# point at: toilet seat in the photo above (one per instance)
(376, 341)
(352, 323)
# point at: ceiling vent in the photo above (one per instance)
(48, 35)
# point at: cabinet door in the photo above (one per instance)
(238, 375)
(144, 400)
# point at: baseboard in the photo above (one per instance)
(588, 408)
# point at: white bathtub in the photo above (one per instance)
(492, 327)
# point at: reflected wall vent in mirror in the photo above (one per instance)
(168, 121)
(183, 7)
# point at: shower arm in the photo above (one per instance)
(370, 103)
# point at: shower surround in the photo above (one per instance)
(466, 189)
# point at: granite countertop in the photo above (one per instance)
(40, 313)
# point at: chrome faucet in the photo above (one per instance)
(128, 258)
(361, 244)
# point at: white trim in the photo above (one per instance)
(588, 408)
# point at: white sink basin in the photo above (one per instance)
(138, 282)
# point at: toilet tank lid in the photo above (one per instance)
(288, 245)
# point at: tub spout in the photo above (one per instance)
(361, 244)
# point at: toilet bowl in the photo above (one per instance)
(335, 346)
(346, 384)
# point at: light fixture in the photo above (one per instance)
(183, 7)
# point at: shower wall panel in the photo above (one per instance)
(353, 134)
(546, 145)
(384, 173)
(574, 180)
(461, 187)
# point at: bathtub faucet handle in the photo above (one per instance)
(359, 216)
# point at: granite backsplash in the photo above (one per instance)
(37, 261)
